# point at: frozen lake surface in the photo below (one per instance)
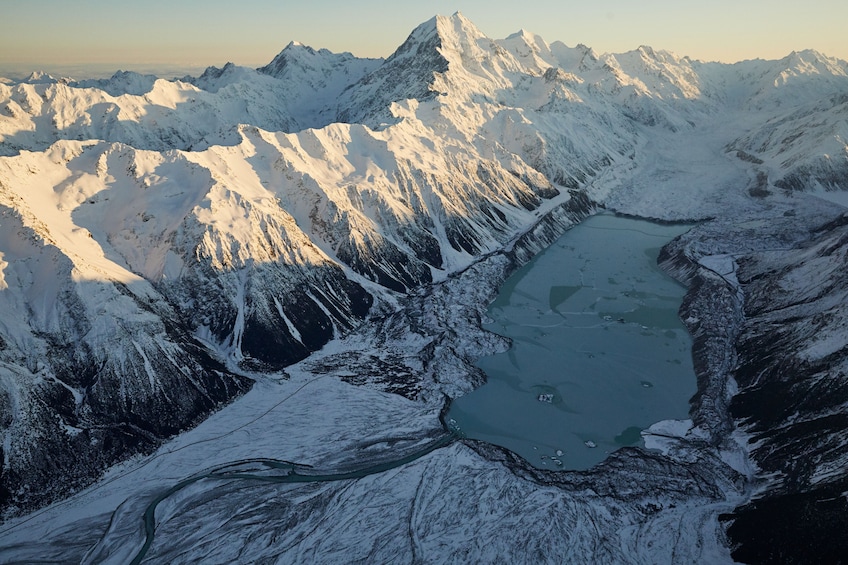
(598, 351)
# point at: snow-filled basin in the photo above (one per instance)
(598, 355)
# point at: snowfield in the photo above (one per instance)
(233, 307)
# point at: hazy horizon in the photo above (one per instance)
(96, 38)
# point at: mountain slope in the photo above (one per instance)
(95, 366)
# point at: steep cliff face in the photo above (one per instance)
(793, 389)
(94, 368)
(766, 310)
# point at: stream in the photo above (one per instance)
(276, 471)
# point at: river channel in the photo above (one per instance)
(598, 352)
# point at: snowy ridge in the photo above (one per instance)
(798, 77)
(783, 145)
(317, 78)
(347, 219)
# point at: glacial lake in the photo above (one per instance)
(598, 355)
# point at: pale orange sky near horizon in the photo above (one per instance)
(40, 34)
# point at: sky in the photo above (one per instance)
(161, 35)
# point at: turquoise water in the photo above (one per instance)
(598, 352)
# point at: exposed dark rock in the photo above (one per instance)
(783, 341)
(802, 527)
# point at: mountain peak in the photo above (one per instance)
(296, 54)
(451, 32)
(647, 50)
(455, 19)
(530, 49)
(524, 35)
(40, 77)
(298, 47)
(528, 38)
(813, 62)
(212, 72)
(809, 62)
(458, 27)
(121, 82)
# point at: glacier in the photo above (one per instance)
(209, 282)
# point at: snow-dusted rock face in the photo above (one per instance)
(163, 241)
(93, 368)
(766, 310)
(316, 79)
(783, 145)
(793, 390)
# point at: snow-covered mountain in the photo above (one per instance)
(164, 244)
